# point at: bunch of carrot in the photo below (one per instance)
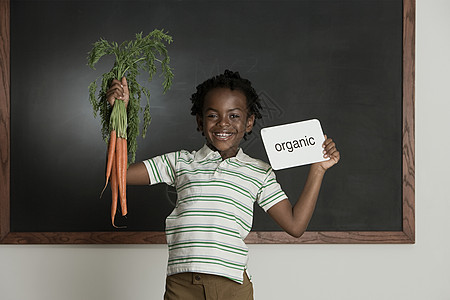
(120, 126)
(117, 160)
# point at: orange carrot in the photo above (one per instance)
(114, 191)
(119, 163)
(120, 156)
(124, 177)
(109, 163)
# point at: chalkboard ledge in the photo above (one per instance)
(257, 237)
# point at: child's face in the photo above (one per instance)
(225, 120)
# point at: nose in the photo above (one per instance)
(223, 121)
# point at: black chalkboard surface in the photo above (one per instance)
(337, 61)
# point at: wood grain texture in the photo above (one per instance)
(4, 119)
(406, 236)
(256, 237)
(140, 237)
(330, 237)
(409, 33)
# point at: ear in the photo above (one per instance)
(199, 122)
(250, 122)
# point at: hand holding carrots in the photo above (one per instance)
(118, 90)
(131, 57)
(117, 160)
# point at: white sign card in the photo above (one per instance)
(294, 144)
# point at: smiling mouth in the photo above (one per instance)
(222, 135)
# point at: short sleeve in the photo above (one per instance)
(271, 192)
(161, 169)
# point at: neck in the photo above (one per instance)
(223, 154)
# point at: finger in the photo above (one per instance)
(115, 91)
(336, 156)
(126, 93)
(124, 83)
(324, 142)
(116, 85)
(117, 88)
(330, 146)
(333, 152)
(327, 141)
(112, 96)
(330, 149)
(115, 81)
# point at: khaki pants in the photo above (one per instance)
(198, 286)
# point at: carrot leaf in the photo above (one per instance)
(143, 54)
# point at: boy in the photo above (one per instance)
(216, 189)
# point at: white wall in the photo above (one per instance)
(420, 271)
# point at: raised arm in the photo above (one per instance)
(295, 220)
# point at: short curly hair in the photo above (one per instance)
(233, 81)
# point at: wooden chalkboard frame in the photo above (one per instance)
(406, 236)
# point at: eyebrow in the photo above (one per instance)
(232, 109)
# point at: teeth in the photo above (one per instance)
(223, 134)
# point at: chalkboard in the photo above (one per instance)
(349, 64)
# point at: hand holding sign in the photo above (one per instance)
(330, 152)
(298, 144)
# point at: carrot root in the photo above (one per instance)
(123, 203)
(121, 170)
(121, 152)
(114, 192)
(110, 159)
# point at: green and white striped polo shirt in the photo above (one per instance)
(214, 210)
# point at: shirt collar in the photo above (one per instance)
(206, 153)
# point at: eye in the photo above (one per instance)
(211, 116)
(234, 116)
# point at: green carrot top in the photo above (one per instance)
(131, 57)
